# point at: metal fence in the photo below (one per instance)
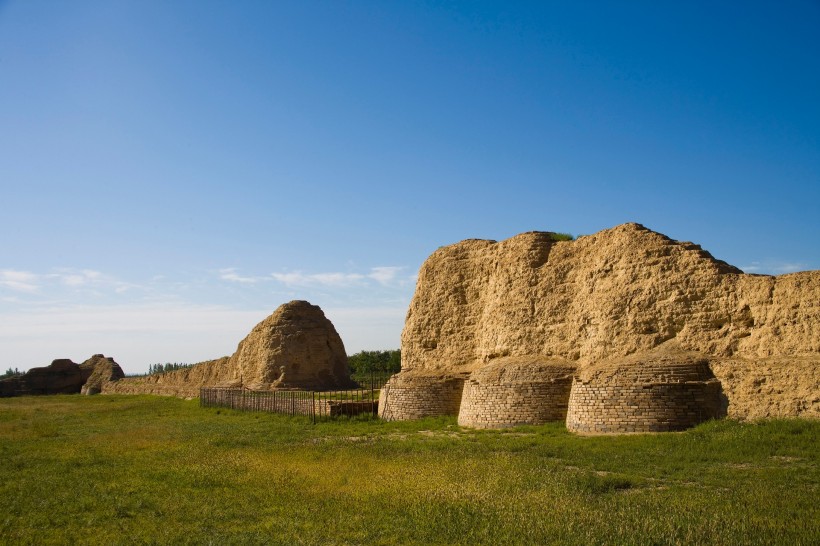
(317, 405)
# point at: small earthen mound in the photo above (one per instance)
(100, 370)
(412, 396)
(659, 391)
(512, 391)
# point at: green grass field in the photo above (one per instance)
(146, 470)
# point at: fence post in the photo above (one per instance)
(373, 410)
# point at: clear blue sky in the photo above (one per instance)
(171, 172)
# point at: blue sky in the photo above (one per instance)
(171, 172)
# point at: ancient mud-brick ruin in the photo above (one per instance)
(296, 347)
(63, 376)
(660, 335)
(411, 396)
(511, 391)
(670, 391)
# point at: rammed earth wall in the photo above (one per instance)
(617, 293)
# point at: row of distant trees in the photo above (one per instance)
(167, 367)
(359, 363)
(374, 361)
(11, 373)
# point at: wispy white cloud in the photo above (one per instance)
(75, 278)
(774, 267)
(65, 279)
(91, 279)
(384, 275)
(19, 281)
(789, 268)
(297, 278)
(230, 274)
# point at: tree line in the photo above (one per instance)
(359, 363)
(374, 361)
(11, 373)
(167, 367)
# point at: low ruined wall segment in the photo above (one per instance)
(64, 376)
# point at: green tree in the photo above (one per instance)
(11, 373)
(375, 361)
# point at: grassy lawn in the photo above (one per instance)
(142, 469)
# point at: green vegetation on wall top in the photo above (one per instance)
(11, 373)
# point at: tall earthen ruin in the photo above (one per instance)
(643, 333)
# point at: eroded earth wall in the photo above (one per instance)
(619, 292)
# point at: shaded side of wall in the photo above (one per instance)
(653, 407)
(413, 398)
(501, 406)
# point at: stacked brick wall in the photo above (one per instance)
(402, 399)
(647, 407)
(506, 405)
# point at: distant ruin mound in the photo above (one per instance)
(103, 369)
(296, 347)
(63, 376)
(623, 291)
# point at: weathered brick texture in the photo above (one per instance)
(650, 397)
(405, 398)
(516, 391)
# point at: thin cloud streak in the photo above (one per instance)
(34, 283)
(297, 278)
(230, 274)
(385, 276)
(19, 281)
(774, 268)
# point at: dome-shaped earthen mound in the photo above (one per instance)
(296, 347)
(651, 392)
(413, 396)
(513, 391)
